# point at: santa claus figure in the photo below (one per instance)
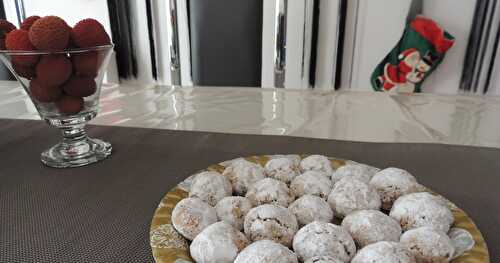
(403, 77)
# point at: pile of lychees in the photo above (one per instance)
(64, 79)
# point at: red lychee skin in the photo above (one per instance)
(86, 64)
(28, 22)
(5, 27)
(54, 70)
(80, 86)
(24, 71)
(19, 40)
(69, 105)
(43, 93)
(89, 33)
(50, 33)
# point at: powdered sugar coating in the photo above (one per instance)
(310, 208)
(323, 259)
(428, 245)
(311, 183)
(323, 239)
(361, 172)
(266, 251)
(391, 183)
(210, 187)
(218, 243)
(233, 209)
(371, 226)
(384, 252)
(350, 194)
(191, 215)
(242, 174)
(270, 191)
(271, 222)
(317, 163)
(422, 209)
(283, 169)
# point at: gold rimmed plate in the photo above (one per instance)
(170, 247)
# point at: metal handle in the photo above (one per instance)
(280, 41)
(175, 64)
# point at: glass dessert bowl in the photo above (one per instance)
(65, 87)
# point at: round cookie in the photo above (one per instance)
(324, 239)
(391, 183)
(210, 187)
(371, 226)
(283, 169)
(270, 191)
(428, 245)
(323, 259)
(271, 222)
(242, 174)
(218, 243)
(191, 215)
(317, 163)
(384, 252)
(350, 194)
(422, 209)
(310, 208)
(233, 209)
(266, 251)
(361, 172)
(311, 183)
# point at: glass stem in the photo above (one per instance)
(74, 134)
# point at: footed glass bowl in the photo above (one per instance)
(65, 87)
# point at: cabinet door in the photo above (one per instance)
(287, 35)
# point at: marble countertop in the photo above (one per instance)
(342, 115)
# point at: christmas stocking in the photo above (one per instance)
(417, 54)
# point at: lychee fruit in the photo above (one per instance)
(28, 22)
(86, 64)
(80, 86)
(69, 105)
(54, 70)
(43, 93)
(5, 27)
(27, 72)
(18, 39)
(50, 33)
(89, 33)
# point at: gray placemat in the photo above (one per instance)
(102, 213)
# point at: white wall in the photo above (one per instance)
(495, 77)
(456, 17)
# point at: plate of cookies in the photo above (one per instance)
(310, 209)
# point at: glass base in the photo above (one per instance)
(74, 154)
